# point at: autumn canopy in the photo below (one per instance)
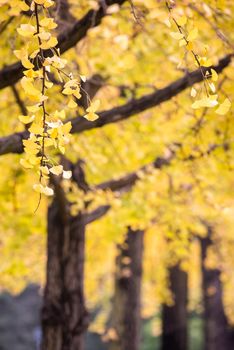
(117, 158)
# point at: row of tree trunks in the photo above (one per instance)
(64, 315)
(217, 333)
(126, 313)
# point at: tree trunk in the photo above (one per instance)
(64, 316)
(174, 318)
(126, 313)
(217, 331)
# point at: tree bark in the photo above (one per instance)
(64, 316)
(217, 332)
(174, 318)
(126, 313)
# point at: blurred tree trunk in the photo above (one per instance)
(64, 316)
(217, 331)
(174, 318)
(125, 332)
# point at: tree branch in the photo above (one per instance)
(136, 106)
(13, 143)
(126, 182)
(96, 214)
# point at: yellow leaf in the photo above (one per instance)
(48, 23)
(26, 119)
(206, 102)
(193, 92)
(94, 106)
(52, 42)
(23, 56)
(36, 129)
(83, 78)
(34, 108)
(182, 42)
(177, 35)
(67, 174)
(91, 116)
(48, 3)
(181, 20)
(66, 128)
(26, 30)
(72, 104)
(27, 85)
(212, 87)
(214, 75)
(56, 170)
(43, 189)
(44, 36)
(192, 35)
(189, 46)
(26, 164)
(224, 107)
(167, 22)
(44, 170)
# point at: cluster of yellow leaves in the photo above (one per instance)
(187, 35)
(12, 8)
(47, 130)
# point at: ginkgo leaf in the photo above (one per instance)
(167, 22)
(33, 108)
(192, 35)
(48, 3)
(25, 164)
(26, 30)
(212, 87)
(181, 20)
(26, 119)
(39, 2)
(177, 35)
(91, 116)
(27, 84)
(206, 102)
(67, 174)
(56, 170)
(214, 75)
(44, 170)
(77, 94)
(224, 107)
(72, 104)
(182, 42)
(83, 78)
(66, 128)
(23, 56)
(193, 92)
(48, 23)
(43, 189)
(52, 42)
(94, 106)
(44, 36)
(45, 3)
(36, 129)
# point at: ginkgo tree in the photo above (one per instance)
(173, 55)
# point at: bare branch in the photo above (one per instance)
(96, 214)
